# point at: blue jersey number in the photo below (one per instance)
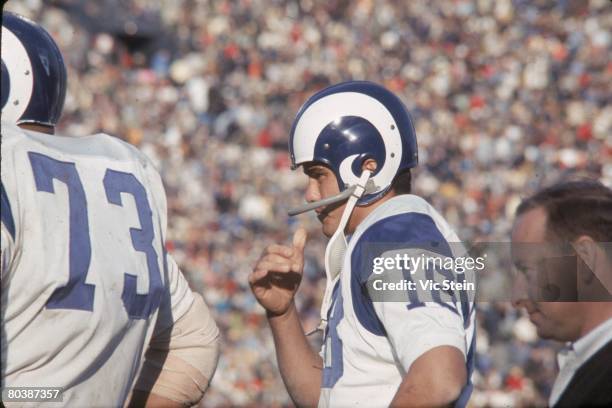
(333, 360)
(77, 294)
(137, 306)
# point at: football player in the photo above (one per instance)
(87, 287)
(406, 347)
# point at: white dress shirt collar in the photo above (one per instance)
(576, 354)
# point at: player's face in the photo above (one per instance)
(530, 252)
(322, 183)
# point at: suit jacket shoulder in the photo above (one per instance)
(590, 385)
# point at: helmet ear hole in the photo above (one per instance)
(360, 162)
(369, 163)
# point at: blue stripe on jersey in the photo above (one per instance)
(7, 214)
(466, 392)
(401, 231)
(333, 372)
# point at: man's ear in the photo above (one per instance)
(586, 249)
(592, 278)
(369, 164)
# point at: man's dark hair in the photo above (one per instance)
(574, 208)
(402, 183)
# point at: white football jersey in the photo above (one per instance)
(85, 278)
(370, 342)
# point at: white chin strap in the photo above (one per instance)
(336, 247)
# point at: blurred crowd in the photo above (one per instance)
(507, 95)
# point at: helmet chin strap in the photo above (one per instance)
(336, 247)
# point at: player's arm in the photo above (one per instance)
(436, 378)
(300, 367)
(434, 361)
(145, 399)
(274, 281)
(182, 355)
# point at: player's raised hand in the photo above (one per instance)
(277, 275)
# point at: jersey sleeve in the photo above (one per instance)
(391, 287)
(178, 297)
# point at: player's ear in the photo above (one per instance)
(369, 164)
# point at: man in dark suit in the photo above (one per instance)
(561, 246)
